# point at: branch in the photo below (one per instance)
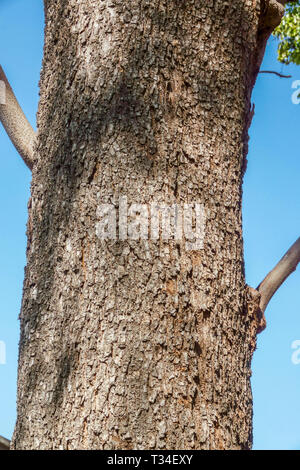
(15, 123)
(278, 275)
(4, 443)
(275, 73)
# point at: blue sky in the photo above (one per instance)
(271, 214)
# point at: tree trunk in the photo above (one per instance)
(131, 343)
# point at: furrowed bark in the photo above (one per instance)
(15, 122)
(139, 344)
(286, 266)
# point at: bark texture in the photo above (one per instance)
(139, 344)
(15, 122)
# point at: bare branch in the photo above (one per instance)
(275, 73)
(4, 443)
(15, 122)
(278, 275)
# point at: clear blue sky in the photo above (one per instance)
(271, 224)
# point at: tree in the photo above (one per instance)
(130, 337)
(289, 35)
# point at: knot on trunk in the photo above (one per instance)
(253, 310)
(271, 14)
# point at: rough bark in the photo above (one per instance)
(140, 344)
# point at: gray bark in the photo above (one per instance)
(15, 122)
(140, 344)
